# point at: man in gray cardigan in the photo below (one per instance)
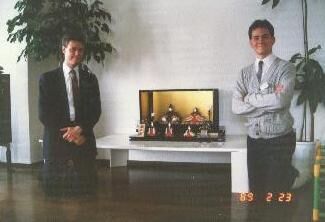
(263, 94)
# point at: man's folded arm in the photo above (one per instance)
(281, 95)
(239, 106)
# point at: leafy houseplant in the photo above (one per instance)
(310, 79)
(42, 23)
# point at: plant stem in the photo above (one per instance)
(306, 58)
(312, 131)
(303, 129)
(305, 28)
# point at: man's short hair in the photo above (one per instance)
(73, 36)
(260, 24)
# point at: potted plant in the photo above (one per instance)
(42, 23)
(310, 82)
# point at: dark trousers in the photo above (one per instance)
(72, 172)
(269, 165)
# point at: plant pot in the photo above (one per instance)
(303, 160)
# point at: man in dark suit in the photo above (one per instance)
(69, 108)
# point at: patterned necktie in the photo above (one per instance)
(75, 88)
(260, 70)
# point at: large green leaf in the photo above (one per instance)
(47, 25)
(313, 50)
(302, 97)
(323, 87)
(313, 99)
(313, 70)
(296, 57)
(274, 3)
(311, 84)
(265, 1)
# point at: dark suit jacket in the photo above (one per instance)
(54, 112)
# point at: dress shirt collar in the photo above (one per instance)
(67, 69)
(267, 62)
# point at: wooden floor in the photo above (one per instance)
(149, 193)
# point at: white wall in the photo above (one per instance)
(36, 128)
(192, 44)
(26, 129)
(19, 87)
(188, 44)
(168, 44)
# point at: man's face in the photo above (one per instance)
(262, 42)
(73, 53)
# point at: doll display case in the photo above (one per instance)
(179, 115)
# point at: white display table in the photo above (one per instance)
(235, 146)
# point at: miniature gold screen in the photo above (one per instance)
(183, 103)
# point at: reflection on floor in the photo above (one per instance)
(149, 193)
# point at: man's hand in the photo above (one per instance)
(80, 140)
(73, 134)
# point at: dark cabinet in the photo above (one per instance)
(5, 113)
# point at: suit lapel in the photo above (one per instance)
(82, 82)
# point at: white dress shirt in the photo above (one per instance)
(267, 62)
(68, 84)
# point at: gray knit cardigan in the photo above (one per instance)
(266, 110)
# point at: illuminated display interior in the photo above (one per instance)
(183, 102)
